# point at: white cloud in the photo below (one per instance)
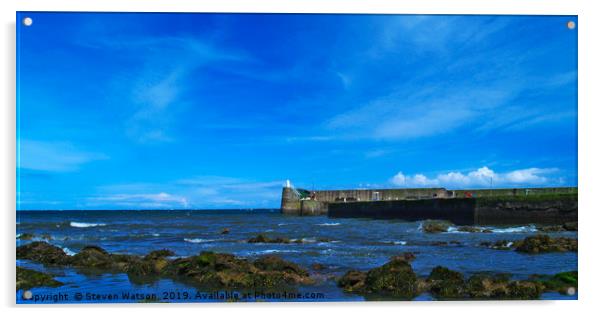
(195, 193)
(53, 156)
(482, 177)
(419, 111)
(156, 200)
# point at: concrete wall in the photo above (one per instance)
(458, 211)
(290, 204)
(512, 192)
(501, 210)
(313, 207)
(379, 194)
(542, 209)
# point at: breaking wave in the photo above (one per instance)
(69, 252)
(198, 240)
(85, 225)
(519, 229)
(329, 224)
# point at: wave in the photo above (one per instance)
(514, 229)
(85, 225)
(329, 224)
(400, 242)
(454, 229)
(198, 240)
(518, 229)
(270, 251)
(69, 252)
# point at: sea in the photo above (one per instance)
(338, 244)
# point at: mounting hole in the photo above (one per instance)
(27, 295)
(27, 21)
(571, 291)
(571, 25)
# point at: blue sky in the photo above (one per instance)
(134, 111)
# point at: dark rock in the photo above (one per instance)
(570, 226)
(438, 243)
(28, 279)
(544, 243)
(470, 229)
(159, 254)
(446, 283)
(43, 252)
(26, 236)
(93, 257)
(406, 256)
(435, 226)
(46, 236)
(264, 239)
(217, 270)
(225, 231)
(352, 281)
(206, 270)
(317, 266)
(524, 290)
(499, 245)
(274, 263)
(500, 287)
(551, 229)
(560, 282)
(396, 278)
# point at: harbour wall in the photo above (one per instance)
(506, 210)
(462, 207)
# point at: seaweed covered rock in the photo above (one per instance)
(93, 257)
(560, 282)
(407, 256)
(317, 266)
(435, 226)
(446, 283)
(26, 236)
(46, 236)
(545, 243)
(275, 263)
(275, 271)
(27, 279)
(500, 287)
(206, 270)
(264, 239)
(44, 253)
(551, 228)
(473, 229)
(159, 254)
(352, 281)
(210, 269)
(570, 226)
(396, 278)
(499, 245)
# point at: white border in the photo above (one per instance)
(590, 86)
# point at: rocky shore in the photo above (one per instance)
(205, 270)
(397, 280)
(28, 279)
(536, 244)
